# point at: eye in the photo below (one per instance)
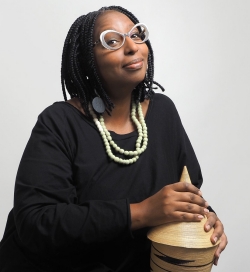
(113, 39)
(112, 43)
(137, 35)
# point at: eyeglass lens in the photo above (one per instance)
(115, 40)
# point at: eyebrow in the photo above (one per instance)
(108, 28)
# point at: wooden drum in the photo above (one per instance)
(184, 246)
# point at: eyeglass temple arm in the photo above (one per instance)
(95, 43)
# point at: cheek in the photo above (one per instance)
(145, 52)
(107, 64)
(100, 65)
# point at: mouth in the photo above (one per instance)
(134, 64)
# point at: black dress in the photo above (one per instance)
(71, 206)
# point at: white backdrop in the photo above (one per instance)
(202, 58)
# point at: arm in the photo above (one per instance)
(46, 208)
(175, 202)
(213, 221)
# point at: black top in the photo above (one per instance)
(71, 207)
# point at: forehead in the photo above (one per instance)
(113, 20)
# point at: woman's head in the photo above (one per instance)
(120, 54)
(89, 69)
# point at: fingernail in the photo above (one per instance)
(200, 216)
(215, 239)
(206, 204)
(208, 227)
(206, 210)
(200, 193)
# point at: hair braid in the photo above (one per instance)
(67, 42)
(96, 79)
(79, 74)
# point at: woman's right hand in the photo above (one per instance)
(178, 202)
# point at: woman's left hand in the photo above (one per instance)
(218, 234)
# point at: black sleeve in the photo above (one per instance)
(183, 152)
(46, 209)
(187, 157)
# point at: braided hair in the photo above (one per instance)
(78, 70)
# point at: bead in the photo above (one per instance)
(108, 142)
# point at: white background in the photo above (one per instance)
(201, 58)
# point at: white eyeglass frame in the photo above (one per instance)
(104, 44)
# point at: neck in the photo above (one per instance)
(110, 145)
(120, 119)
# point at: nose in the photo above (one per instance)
(130, 47)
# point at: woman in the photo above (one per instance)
(100, 169)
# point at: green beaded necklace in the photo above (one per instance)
(141, 142)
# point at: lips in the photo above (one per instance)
(134, 64)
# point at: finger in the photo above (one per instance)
(218, 231)
(216, 260)
(206, 203)
(186, 187)
(217, 255)
(221, 247)
(190, 208)
(211, 220)
(186, 217)
(191, 198)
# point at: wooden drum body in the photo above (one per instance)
(182, 251)
(180, 247)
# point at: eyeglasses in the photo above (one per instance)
(114, 40)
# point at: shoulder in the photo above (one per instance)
(53, 114)
(60, 112)
(64, 116)
(162, 104)
(52, 118)
(56, 108)
(162, 99)
(60, 117)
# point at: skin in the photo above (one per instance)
(178, 202)
(119, 78)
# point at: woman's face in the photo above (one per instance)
(126, 67)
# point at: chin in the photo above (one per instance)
(138, 79)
